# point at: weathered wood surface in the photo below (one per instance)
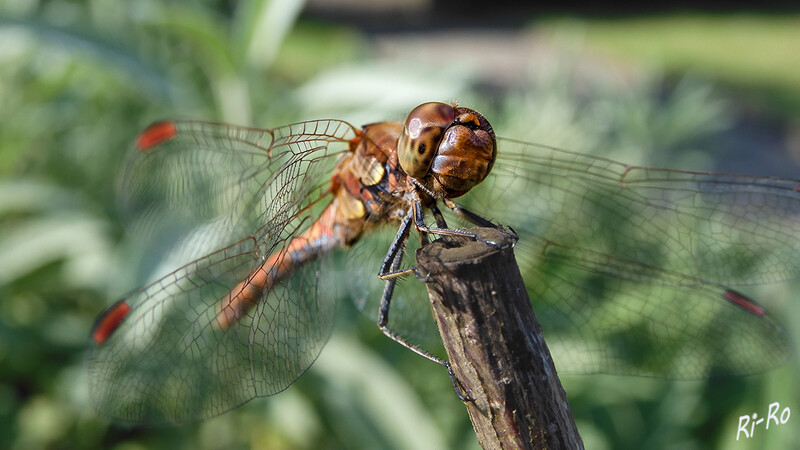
(495, 344)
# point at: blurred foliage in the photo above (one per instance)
(78, 79)
(748, 51)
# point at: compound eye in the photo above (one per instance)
(422, 135)
(466, 154)
(416, 153)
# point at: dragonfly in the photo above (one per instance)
(631, 270)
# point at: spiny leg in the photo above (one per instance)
(468, 215)
(391, 263)
(399, 243)
(419, 223)
(420, 218)
(437, 214)
(390, 272)
(440, 223)
(478, 220)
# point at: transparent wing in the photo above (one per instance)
(410, 313)
(222, 181)
(160, 355)
(603, 314)
(628, 266)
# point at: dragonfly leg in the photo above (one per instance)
(463, 393)
(390, 272)
(419, 223)
(468, 215)
(386, 301)
(477, 219)
(440, 222)
(391, 263)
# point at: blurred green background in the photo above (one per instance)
(78, 80)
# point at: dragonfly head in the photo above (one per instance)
(447, 148)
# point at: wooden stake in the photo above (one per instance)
(495, 344)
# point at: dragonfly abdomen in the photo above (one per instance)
(324, 235)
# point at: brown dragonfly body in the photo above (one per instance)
(631, 264)
(369, 187)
